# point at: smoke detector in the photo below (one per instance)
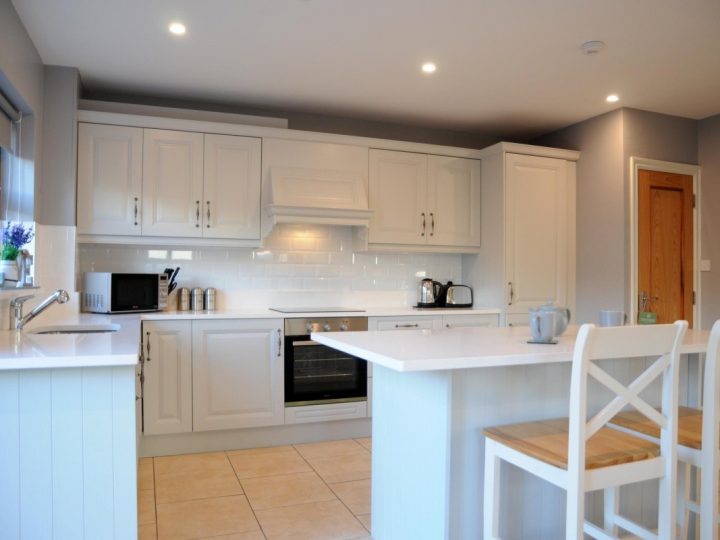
(592, 47)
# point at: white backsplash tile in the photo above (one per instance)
(300, 265)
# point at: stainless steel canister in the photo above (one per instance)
(183, 296)
(210, 298)
(196, 299)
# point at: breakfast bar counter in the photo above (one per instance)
(433, 393)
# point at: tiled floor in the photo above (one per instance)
(317, 491)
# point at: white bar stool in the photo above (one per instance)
(698, 443)
(581, 455)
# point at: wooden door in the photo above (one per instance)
(453, 201)
(167, 391)
(238, 374)
(536, 232)
(231, 187)
(109, 179)
(665, 245)
(398, 196)
(172, 183)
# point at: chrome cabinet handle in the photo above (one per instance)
(423, 218)
(197, 213)
(407, 325)
(208, 215)
(512, 293)
(135, 212)
(432, 224)
(279, 350)
(147, 346)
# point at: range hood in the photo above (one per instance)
(316, 196)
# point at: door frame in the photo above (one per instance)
(637, 163)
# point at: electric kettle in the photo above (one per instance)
(429, 292)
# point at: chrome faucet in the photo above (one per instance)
(18, 321)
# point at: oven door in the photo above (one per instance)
(316, 374)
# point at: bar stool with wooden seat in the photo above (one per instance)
(698, 443)
(581, 455)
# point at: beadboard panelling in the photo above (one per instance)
(297, 258)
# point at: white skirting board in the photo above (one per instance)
(68, 464)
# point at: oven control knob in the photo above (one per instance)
(309, 327)
(343, 326)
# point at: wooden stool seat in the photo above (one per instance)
(547, 440)
(689, 425)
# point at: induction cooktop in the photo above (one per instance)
(316, 310)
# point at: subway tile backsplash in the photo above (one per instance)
(296, 258)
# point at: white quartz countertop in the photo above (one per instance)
(25, 350)
(264, 313)
(462, 348)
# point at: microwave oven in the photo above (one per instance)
(114, 292)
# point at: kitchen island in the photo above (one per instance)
(433, 393)
(68, 432)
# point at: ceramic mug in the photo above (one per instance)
(611, 317)
(542, 325)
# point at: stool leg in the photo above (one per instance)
(491, 497)
(683, 513)
(612, 507)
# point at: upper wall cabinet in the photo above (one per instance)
(424, 200)
(167, 184)
(109, 179)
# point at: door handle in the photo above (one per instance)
(197, 213)
(279, 350)
(407, 325)
(432, 224)
(208, 215)
(147, 346)
(135, 212)
(512, 293)
(424, 223)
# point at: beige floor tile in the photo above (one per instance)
(329, 449)
(365, 442)
(365, 520)
(286, 490)
(146, 506)
(195, 476)
(253, 535)
(343, 468)
(147, 531)
(263, 450)
(327, 520)
(145, 474)
(205, 517)
(268, 464)
(355, 495)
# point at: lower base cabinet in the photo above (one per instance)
(237, 374)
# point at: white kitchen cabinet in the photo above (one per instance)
(231, 187)
(528, 230)
(172, 183)
(167, 389)
(109, 179)
(424, 200)
(470, 321)
(412, 322)
(237, 374)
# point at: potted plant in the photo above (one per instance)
(14, 237)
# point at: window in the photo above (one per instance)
(10, 119)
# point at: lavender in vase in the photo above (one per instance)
(14, 237)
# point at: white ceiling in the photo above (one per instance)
(506, 67)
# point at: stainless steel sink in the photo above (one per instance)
(75, 329)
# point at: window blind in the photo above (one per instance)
(8, 114)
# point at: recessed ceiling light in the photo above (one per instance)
(612, 98)
(177, 28)
(429, 67)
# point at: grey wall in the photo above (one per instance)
(317, 122)
(55, 203)
(709, 159)
(21, 79)
(659, 136)
(600, 211)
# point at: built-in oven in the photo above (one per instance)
(315, 373)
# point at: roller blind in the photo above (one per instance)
(8, 114)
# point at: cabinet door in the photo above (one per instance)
(470, 321)
(172, 183)
(231, 189)
(167, 391)
(109, 179)
(536, 225)
(237, 374)
(398, 196)
(453, 201)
